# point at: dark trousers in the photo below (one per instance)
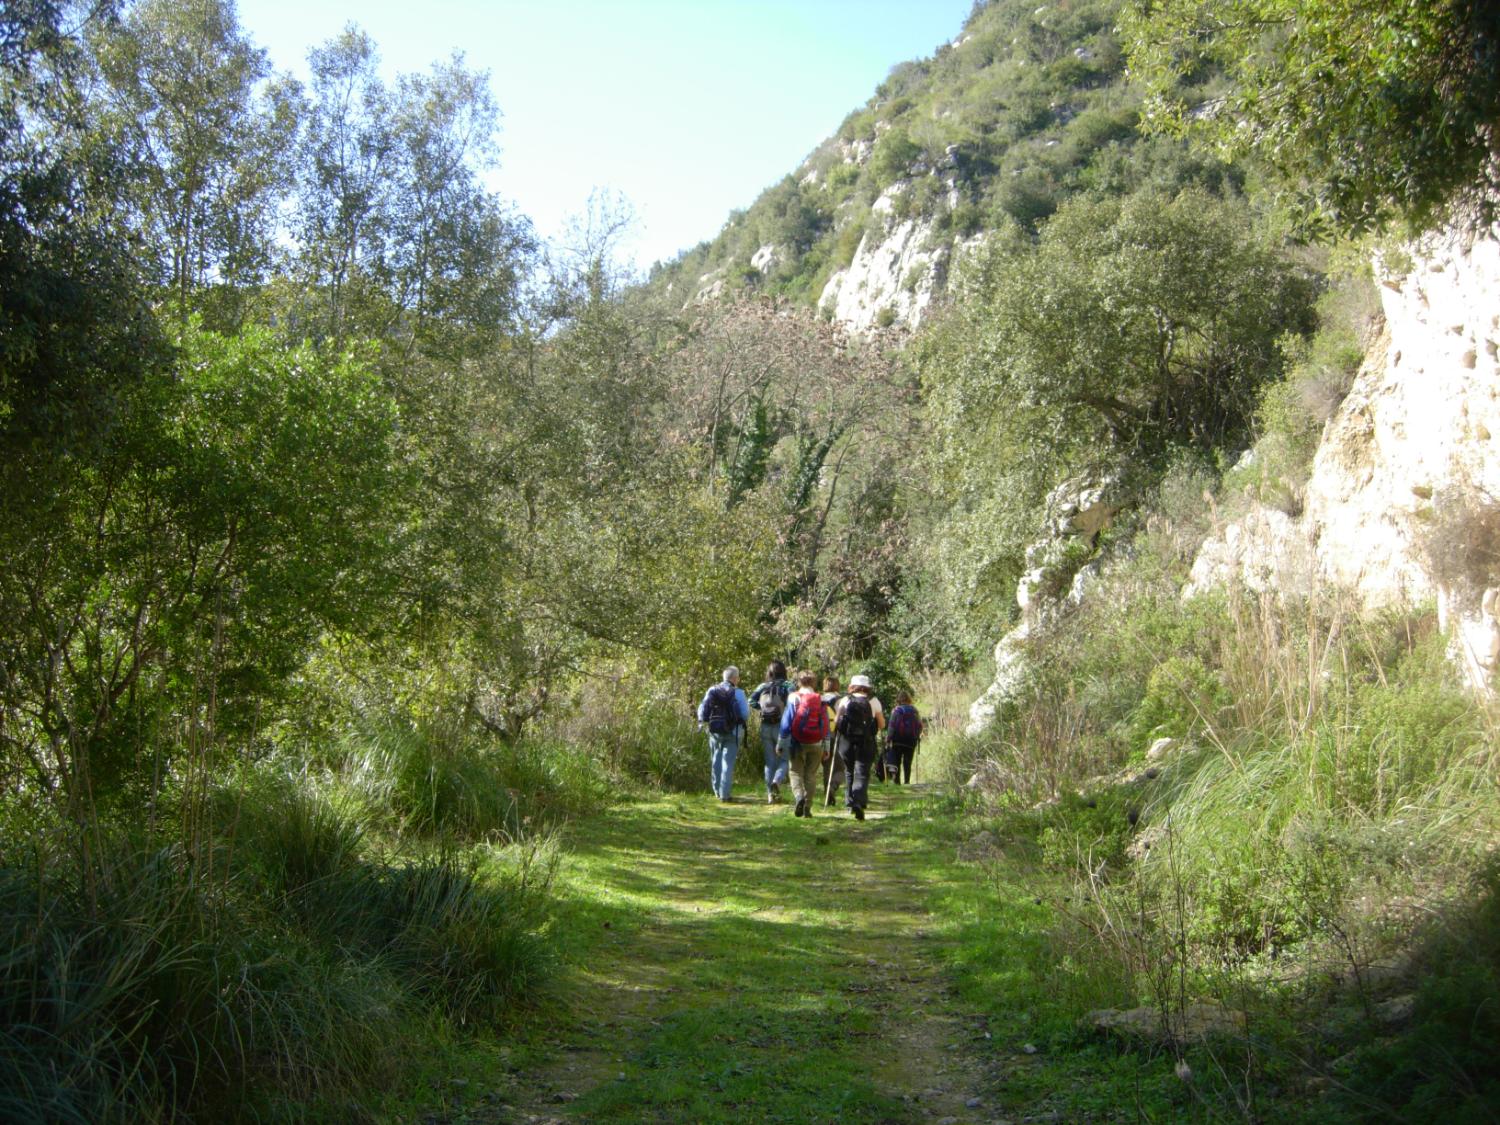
(898, 762)
(857, 762)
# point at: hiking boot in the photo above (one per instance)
(801, 807)
(859, 813)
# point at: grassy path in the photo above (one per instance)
(734, 963)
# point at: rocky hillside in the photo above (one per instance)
(1026, 106)
(1401, 507)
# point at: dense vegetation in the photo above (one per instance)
(353, 540)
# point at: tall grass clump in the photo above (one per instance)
(637, 735)
(441, 780)
(136, 989)
(460, 930)
(285, 963)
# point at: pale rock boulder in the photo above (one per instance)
(1409, 448)
(710, 288)
(766, 258)
(1077, 511)
(856, 151)
(1160, 749)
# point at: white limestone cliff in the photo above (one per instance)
(899, 268)
(1407, 475)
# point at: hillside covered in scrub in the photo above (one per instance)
(1119, 382)
(1028, 105)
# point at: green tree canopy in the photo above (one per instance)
(1130, 331)
(1368, 109)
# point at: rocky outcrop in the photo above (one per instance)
(1401, 506)
(891, 280)
(767, 258)
(899, 267)
(1057, 564)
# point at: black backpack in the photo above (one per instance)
(857, 723)
(723, 715)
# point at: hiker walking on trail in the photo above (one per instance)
(858, 721)
(804, 727)
(724, 712)
(769, 701)
(833, 769)
(902, 734)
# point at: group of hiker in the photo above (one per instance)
(805, 730)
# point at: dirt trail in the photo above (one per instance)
(754, 967)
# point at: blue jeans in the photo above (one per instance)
(723, 749)
(776, 765)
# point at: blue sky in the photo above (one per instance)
(687, 108)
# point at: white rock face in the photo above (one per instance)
(876, 279)
(1077, 510)
(1409, 448)
(766, 258)
(902, 268)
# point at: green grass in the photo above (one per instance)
(735, 963)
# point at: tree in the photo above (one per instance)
(1368, 110)
(343, 182)
(205, 140)
(1133, 331)
(242, 507)
(801, 429)
(397, 238)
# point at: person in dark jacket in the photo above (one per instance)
(858, 724)
(903, 732)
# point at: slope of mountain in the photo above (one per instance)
(1026, 106)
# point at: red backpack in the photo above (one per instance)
(809, 719)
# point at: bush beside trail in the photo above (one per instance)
(1314, 848)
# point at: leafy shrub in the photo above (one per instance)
(1086, 832)
(1182, 694)
(894, 156)
(1442, 1067)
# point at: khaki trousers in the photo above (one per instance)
(805, 759)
